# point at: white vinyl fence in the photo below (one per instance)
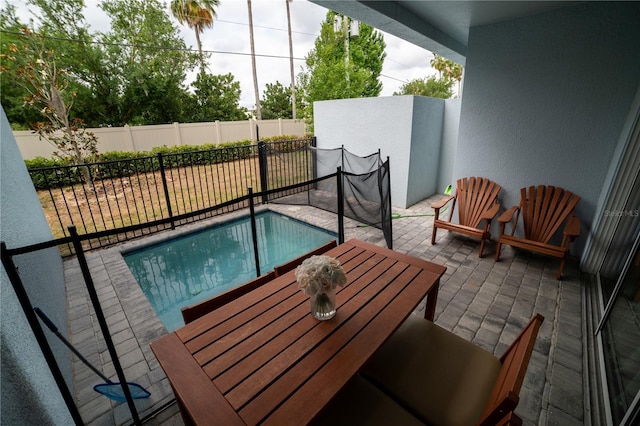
(145, 138)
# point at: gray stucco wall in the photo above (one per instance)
(450, 128)
(546, 98)
(29, 393)
(407, 129)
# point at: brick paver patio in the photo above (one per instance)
(483, 301)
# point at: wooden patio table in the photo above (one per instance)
(263, 359)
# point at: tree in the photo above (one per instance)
(342, 66)
(198, 15)
(216, 97)
(148, 76)
(447, 68)
(276, 102)
(12, 94)
(432, 87)
(62, 29)
(253, 63)
(47, 87)
(293, 80)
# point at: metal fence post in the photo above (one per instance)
(95, 301)
(25, 303)
(254, 231)
(264, 176)
(340, 194)
(165, 186)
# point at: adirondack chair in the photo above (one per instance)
(476, 199)
(544, 210)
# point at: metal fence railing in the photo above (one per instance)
(78, 243)
(142, 190)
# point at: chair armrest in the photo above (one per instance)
(573, 227)
(440, 204)
(508, 215)
(490, 212)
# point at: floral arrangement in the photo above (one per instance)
(320, 274)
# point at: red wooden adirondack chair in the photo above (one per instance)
(476, 199)
(544, 210)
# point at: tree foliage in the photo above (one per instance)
(149, 78)
(216, 97)
(132, 73)
(276, 102)
(342, 66)
(431, 87)
(198, 15)
(46, 88)
(442, 87)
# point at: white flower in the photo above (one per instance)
(320, 274)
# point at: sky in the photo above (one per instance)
(228, 41)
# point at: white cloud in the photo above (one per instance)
(230, 33)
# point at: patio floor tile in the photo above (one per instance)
(481, 300)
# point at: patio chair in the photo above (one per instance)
(476, 199)
(362, 403)
(544, 210)
(193, 312)
(292, 264)
(445, 380)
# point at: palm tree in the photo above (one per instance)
(293, 83)
(439, 63)
(253, 62)
(197, 14)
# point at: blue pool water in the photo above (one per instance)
(194, 267)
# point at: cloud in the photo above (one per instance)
(229, 42)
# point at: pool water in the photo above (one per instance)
(194, 267)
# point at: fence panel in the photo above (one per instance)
(146, 189)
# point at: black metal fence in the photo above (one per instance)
(79, 242)
(165, 186)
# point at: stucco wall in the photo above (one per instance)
(407, 129)
(29, 392)
(546, 98)
(450, 127)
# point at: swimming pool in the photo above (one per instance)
(194, 267)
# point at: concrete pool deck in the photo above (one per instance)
(481, 300)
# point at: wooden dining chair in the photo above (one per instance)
(544, 210)
(293, 264)
(193, 312)
(476, 200)
(445, 380)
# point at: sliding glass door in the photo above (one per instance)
(619, 329)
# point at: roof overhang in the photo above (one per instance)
(441, 27)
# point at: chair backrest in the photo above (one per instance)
(292, 264)
(504, 396)
(193, 312)
(474, 196)
(544, 210)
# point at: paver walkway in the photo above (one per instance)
(483, 301)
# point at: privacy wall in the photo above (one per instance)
(407, 129)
